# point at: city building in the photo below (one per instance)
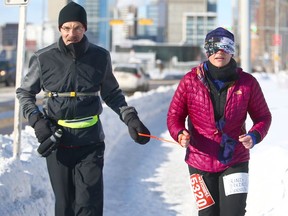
(178, 22)
(127, 27)
(188, 21)
(9, 41)
(157, 12)
(174, 21)
(98, 21)
(169, 23)
(50, 24)
(10, 34)
(53, 9)
(270, 29)
(197, 25)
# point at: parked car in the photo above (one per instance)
(131, 77)
(7, 73)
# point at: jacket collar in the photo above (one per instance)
(200, 73)
(77, 49)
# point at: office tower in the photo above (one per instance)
(156, 11)
(10, 34)
(174, 21)
(98, 21)
(188, 21)
(50, 26)
(271, 47)
(53, 9)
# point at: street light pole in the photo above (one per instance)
(19, 73)
(277, 35)
(245, 37)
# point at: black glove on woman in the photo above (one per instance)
(41, 125)
(135, 126)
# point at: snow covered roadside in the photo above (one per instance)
(151, 179)
(24, 185)
(268, 189)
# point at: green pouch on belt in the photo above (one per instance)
(79, 123)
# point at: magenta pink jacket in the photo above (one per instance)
(192, 99)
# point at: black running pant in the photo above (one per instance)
(77, 180)
(232, 205)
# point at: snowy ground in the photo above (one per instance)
(152, 179)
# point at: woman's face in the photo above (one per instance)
(220, 58)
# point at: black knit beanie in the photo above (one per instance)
(72, 12)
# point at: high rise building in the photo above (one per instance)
(98, 21)
(9, 41)
(10, 34)
(50, 25)
(156, 11)
(270, 25)
(53, 9)
(188, 21)
(129, 15)
(178, 21)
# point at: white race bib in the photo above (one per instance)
(236, 183)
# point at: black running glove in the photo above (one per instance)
(135, 126)
(41, 125)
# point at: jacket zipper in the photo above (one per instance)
(74, 80)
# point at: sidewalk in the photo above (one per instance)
(7, 93)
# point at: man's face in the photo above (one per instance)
(72, 32)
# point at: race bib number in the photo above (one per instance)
(201, 193)
(236, 183)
